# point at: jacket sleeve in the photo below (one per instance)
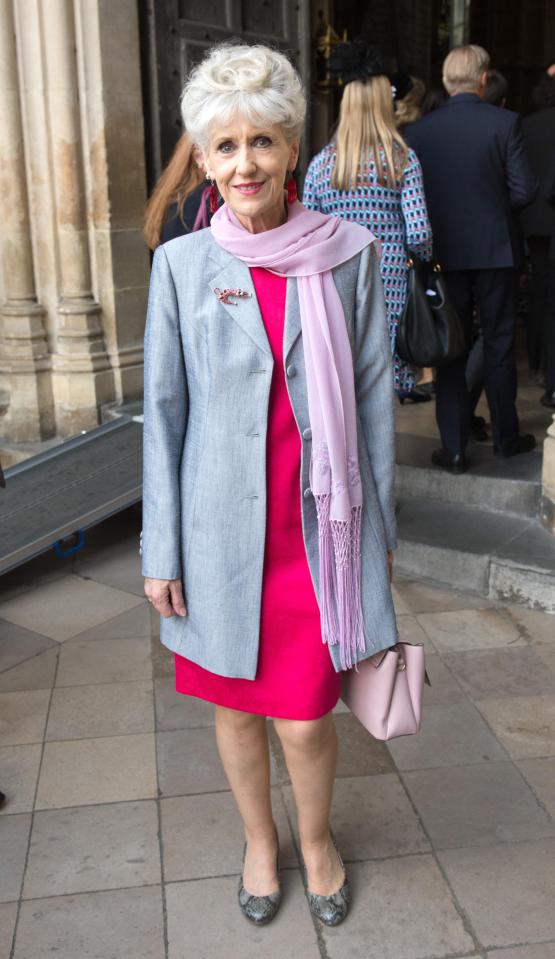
(374, 384)
(165, 419)
(418, 235)
(521, 182)
(311, 199)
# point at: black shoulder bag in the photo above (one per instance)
(430, 332)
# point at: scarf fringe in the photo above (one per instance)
(340, 581)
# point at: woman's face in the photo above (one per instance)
(250, 165)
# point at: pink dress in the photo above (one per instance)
(295, 678)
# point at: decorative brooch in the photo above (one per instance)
(223, 295)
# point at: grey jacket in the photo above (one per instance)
(208, 370)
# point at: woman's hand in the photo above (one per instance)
(390, 564)
(166, 596)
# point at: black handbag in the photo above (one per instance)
(430, 332)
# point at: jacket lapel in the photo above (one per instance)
(292, 327)
(243, 310)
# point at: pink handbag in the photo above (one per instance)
(385, 693)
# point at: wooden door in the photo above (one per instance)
(175, 35)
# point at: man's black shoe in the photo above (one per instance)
(453, 464)
(548, 399)
(522, 444)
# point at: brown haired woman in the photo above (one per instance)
(369, 175)
(173, 207)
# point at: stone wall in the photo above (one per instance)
(74, 266)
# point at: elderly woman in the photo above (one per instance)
(268, 462)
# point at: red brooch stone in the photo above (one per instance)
(223, 295)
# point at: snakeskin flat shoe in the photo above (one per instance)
(258, 909)
(331, 910)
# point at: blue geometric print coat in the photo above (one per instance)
(397, 217)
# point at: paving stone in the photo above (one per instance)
(109, 709)
(36, 673)
(359, 753)
(401, 605)
(163, 663)
(543, 951)
(540, 774)
(547, 656)
(8, 914)
(23, 716)
(86, 771)
(525, 725)
(496, 673)
(372, 818)
(203, 836)
(104, 661)
(477, 805)
(188, 762)
(18, 644)
(401, 908)
(93, 847)
(535, 626)
(445, 688)
(507, 890)
(422, 597)
(411, 631)
(450, 735)
(19, 768)
(121, 568)
(122, 923)
(290, 935)
(14, 837)
(133, 624)
(470, 629)
(66, 606)
(176, 711)
(154, 618)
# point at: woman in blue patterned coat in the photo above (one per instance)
(369, 175)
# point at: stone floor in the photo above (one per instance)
(119, 837)
(419, 419)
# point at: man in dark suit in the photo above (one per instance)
(476, 173)
(538, 219)
(548, 398)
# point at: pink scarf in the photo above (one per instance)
(308, 246)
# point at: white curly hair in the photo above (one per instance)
(254, 82)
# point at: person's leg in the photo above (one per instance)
(495, 293)
(549, 339)
(452, 400)
(311, 755)
(537, 300)
(243, 746)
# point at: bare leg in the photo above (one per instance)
(311, 755)
(243, 747)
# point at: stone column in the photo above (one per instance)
(24, 359)
(548, 480)
(110, 81)
(82, 374)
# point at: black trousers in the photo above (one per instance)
(494, 292)
(549, 333)
(538, 250)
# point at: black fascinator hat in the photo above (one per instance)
(358, 60)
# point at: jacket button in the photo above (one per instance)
(307, 493)
(307, 434)
(291, 370)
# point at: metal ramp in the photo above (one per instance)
(67, 489)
